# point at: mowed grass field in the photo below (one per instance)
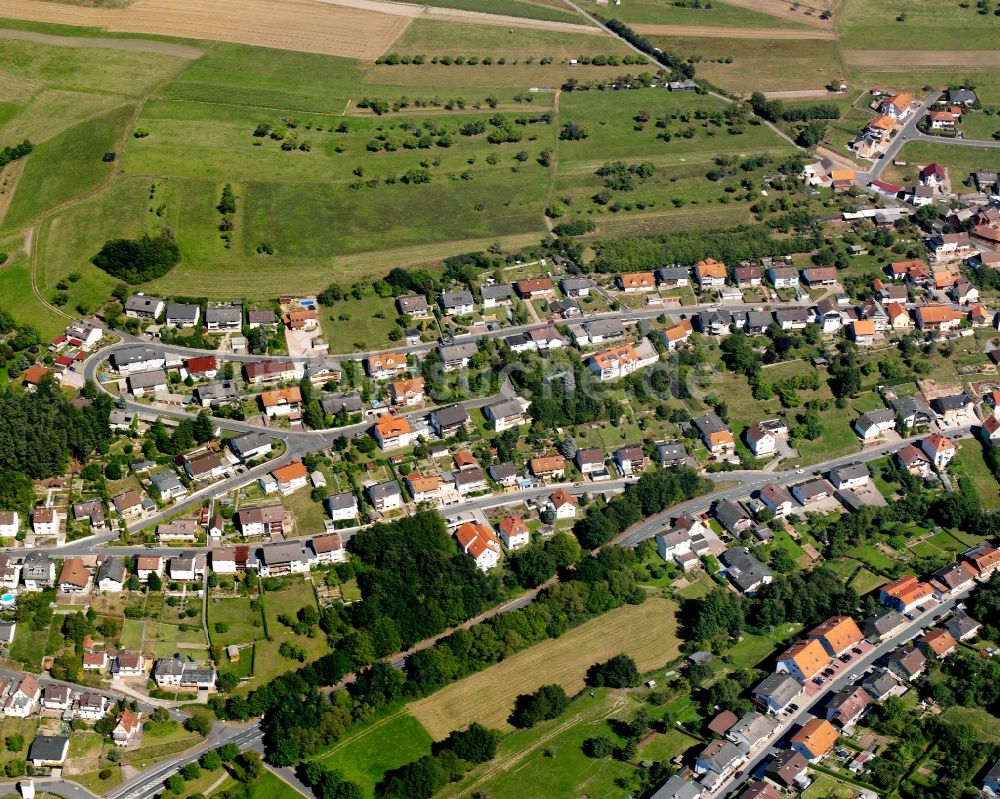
(664, 12)
(759, 64)
(960, 160)
(929, 25)
(647, 632)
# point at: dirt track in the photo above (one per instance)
(302, 25)
(733, 33)
(909, 60)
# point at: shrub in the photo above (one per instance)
(138, 260)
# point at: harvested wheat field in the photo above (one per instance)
(647, 632)
(303, 25)
(917, 60)
(733, 33)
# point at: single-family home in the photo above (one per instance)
(136, 359)
(182, 314)
(677, 335)
(812, 491)
(851, 475)
(38, 571)
(456, 303)
(744, 570)
(715, 434)
(507, 413)
(577, 286)
(457, 356)
(23, 700)
(732, 516)
(847, 706)
(862, 331)
(762, 442)
(384, 496)
(282, 402)
(710, 273)
(386, 365)
(897, 106)
(342, 506)
(939, 449)
(111, 575)
(783, 277)
(752, 729)
(671, 277)
(748, 276)
(407, 392)
(287, 557)
(514, 532)
(534, 288)
(142, 383)
(146, 565)
(291, 477)
(221, 318)
(719, 760)
(630, 459)
(623, 360)
(127, 727)
(262, 317)
(261, 521)
(563, 504)
(74, 578)
(469, 480)
(952, 579)
(414, 306)
(392, 431)
(632, 282)
(327, 548)
(962, 626)
(552, 467)
(671, 453)
(188, 566)
(250, 446)
(48, 751)
(143, 306)
(787, 769)
(907, 663)
(936, 643)
(872, 424)
(448, 421)
(776, 498)
(913, 410)
(209, 465)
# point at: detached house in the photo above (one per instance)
(290, 478)
(183, 315)
(514, 532)
(804, 659)
(869, 426)
(392, 431)
(385, 366)
(905, 593)
(552, 467)
(636, 281)
(448, 421)
(777, 499)
(282, 402)
(143, 306)
(74, 577)
(939, 449)
(456, 303)
(783, 277)
(563, 504)
(744, 570)
(815, 739)
(710, 273)
(778, 691)
(897, 106)
(507, 414)
(414, 306)
(534, 288)
(715, 434)
(623, 360)
(847, 706)
(762, 442)
(384, 496)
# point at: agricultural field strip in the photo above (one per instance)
(458, 15)
(133, 45)
(732, 33)
(915, 60)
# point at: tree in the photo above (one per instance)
(210, 761)
(175, 784)
(15, 768)
(198, 723)
(153, 582)
(204, 427)
(227, 204)
(598, 747)
(138, 260)
(191, 771)
(229, 752)
(618, 672)
(572, 132)
(476, 744)
(546, 703)
(14, 743)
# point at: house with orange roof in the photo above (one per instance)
(979, 316)
(939, 449)
(425, 487)
(938, 317)
(290, 478)
(632, 282)
(564, 504)
(533, 288)
(302, 319)
(514, 532)
(863, 332)
(678, 335)
(881, 126)
(127, 727)
(899, 317)
(897, 107)
(804, 659)
(622, 360)
(815, 739)
(937, 644)
(408, 392)
(477, 541)
(838, 634)
(710, 273)
(983, 558)
(392, 431)
(282, 401)
(715, 434)
(843, 179)
(905, 593)
(944, 280)
(386, 365)
(942, 120)
(550, 466)
(989, 430)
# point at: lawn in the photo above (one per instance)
(29, 647)
(244, 624)
(132, 634)
(826, 787)
(870, 555)
(267, 661)
(648, 632)
(667, 746)
(308, 514)
(548, 760)
(929, 25)
(980, 720)
(987, 489)
(865, 581)
(961, 161)
(384, 744)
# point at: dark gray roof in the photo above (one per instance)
(604, 327)
(669, 450)
(224, 314)
(131, 355)
(678, 788)
(285, 552)
(451, 416)
(884, 621)
(759, 319)
(880, 682)
(872, 418)
(349, 403)
(112, 569)
(166, 481)
(142, 303)
(341, 501)
(49, 748)
(569, 284)
(185, 311)
(457, 352)
(219, 390)
(953, 402)
(502, 471)
(387, 488)
(708, 424)
(792, 315)
(416, 302)
(743, 568)
(247, 442)
(668, 273)
(780, 687)
(157, 377)
(961, 96)
(730, 514)
(501, 291)
(264, 316)
(503, 409)
(909, 405)
(451, 299)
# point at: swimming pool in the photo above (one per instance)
(7, 599)
(309, 304)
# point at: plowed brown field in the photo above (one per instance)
(910, 60)
(303, 25)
